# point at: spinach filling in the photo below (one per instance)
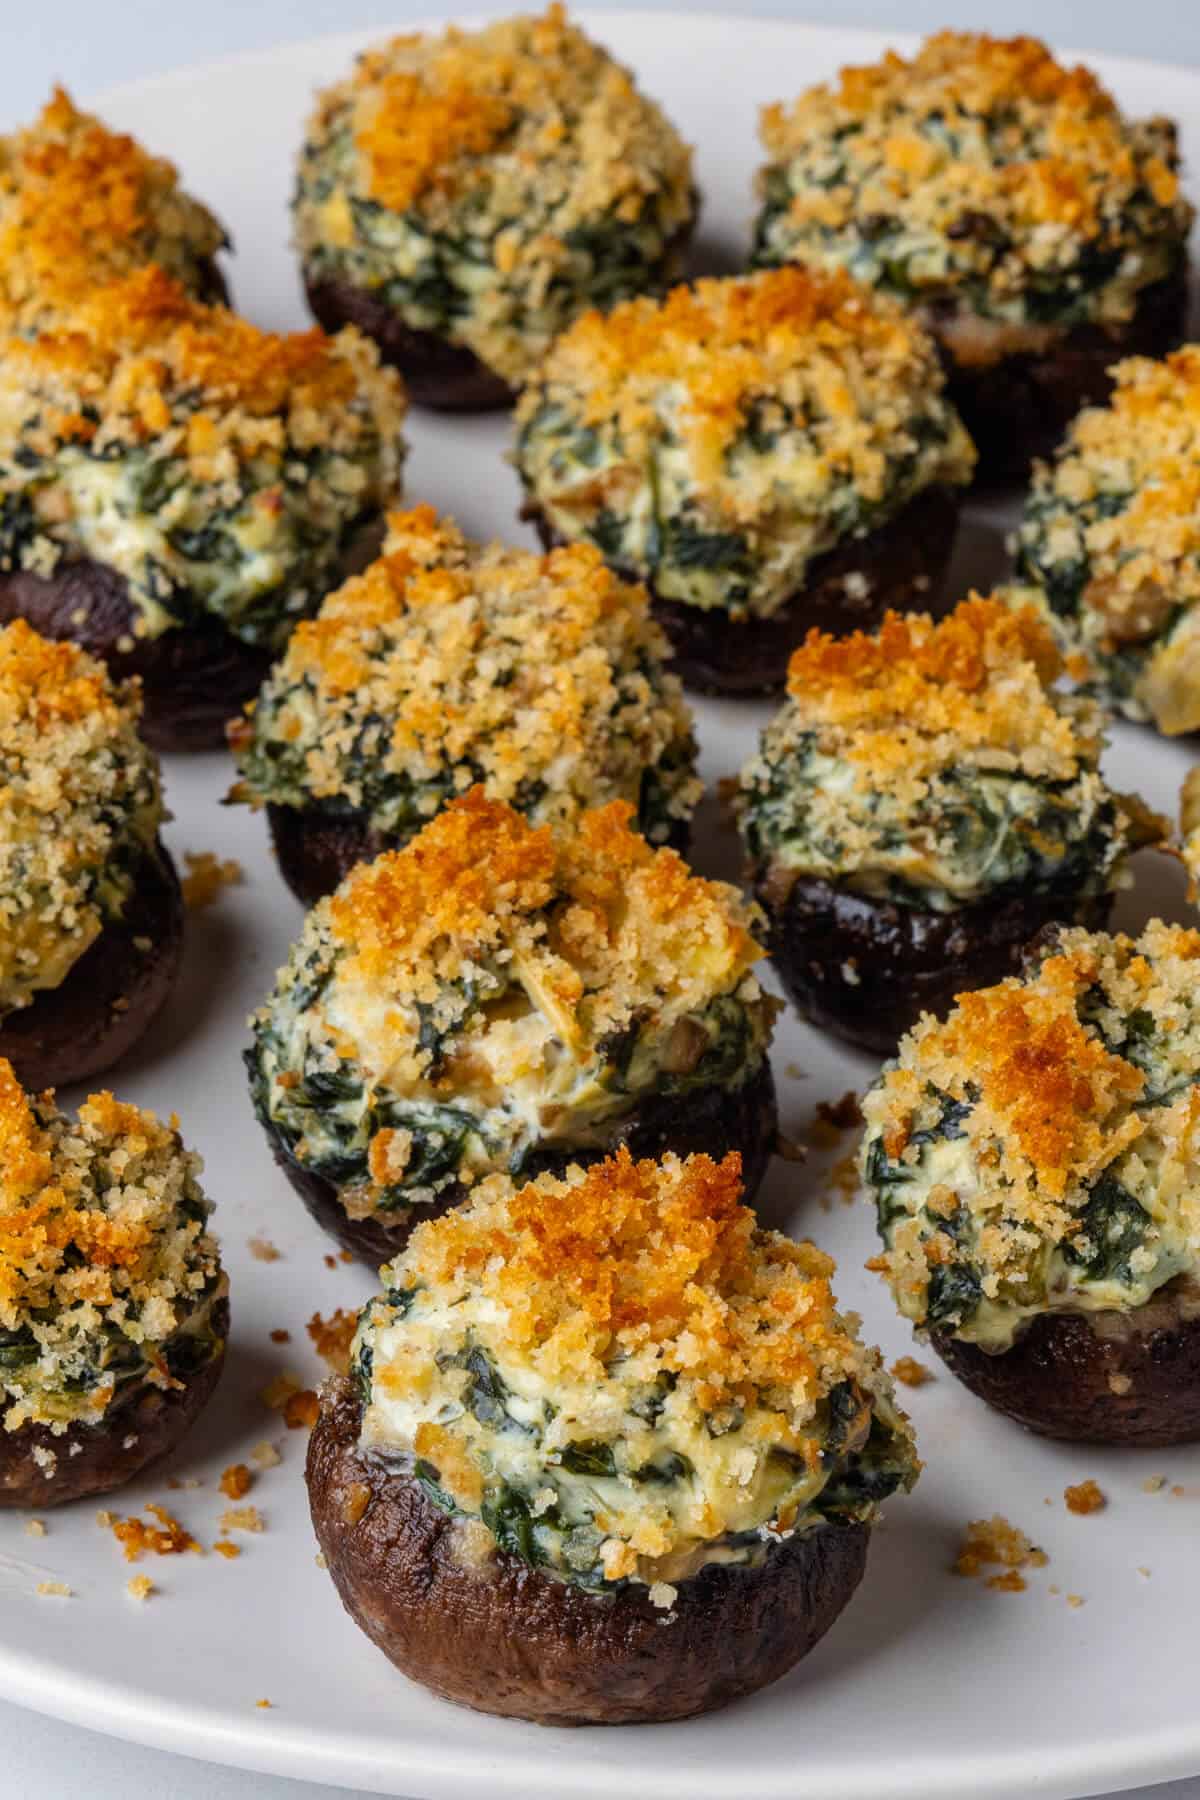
(975, 833)
(326, 1120)
(667, 536)
(549, 1518)
(251, 554)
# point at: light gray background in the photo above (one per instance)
(91, 45)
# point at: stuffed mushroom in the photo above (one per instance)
(496, 997)
(586, 1409)
(461, 198)
(923, 804)
(91, 926)
(81, 206)
(1005, 200)
(113, 1306)
(177, 488)
(450, 662)
(1032, 1160)
(1110, 539)
(767, 455)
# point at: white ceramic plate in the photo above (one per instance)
(931, 1685)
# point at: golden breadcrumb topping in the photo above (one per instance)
(710, 348)
(135, 348)
(981, 164)
(916, 694)
(1112, 534)
(1041, 1136)
(81, 206)
(450, 662)
(736, 429)
(104, 1255)
(79, 806)
(478, 880)
(585, 1295)
(521, 137)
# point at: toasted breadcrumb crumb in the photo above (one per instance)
(140, 1587)
(224, 1548)
(35, 1528)
(794, 1072)
(278, 1392)
(265, 1456)
(263, 1250)
(1143, 1571)
(1178, 1491)
(206, 876)
(330, 1262)
(167, 1538)
(300, 1410)
(319, 1559)
(1085, 1497)
(1009, 1583)
(1154, 1484)
(911, 1372)
(263, 1703)
(332, 1337)
(994, 1540)
(236, 1481)
(1075, 1600)
(58, 1589)
(241, 1518)
(279, 1336)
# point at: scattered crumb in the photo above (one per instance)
(280, 1336)
(346, 1256)
(206, 876)
(1075, 1600)
(35, 1528)
(1143, 1571)
(143, 944)
(994, 1540)
(1178, 1491)
(46, 1460)
(58, 1589)
(1085, 1497)
(301, 1410)
(355, 1501)
(120, 1004)
(236, 1481)
(912, 1373)
(795, 1072)
(224, 1548)
(1154, 1484)
(319, 1559)
(331, 1262)
(842, 1181)
(241, 1518)
(1054, 1588)
(265, 1456)
(1011, 1582)
(263, 1250)
(167, 1538)
(104, 1518)
(663, 1595)
(140, 1587)
(278, 1392)
(844, 1114)
(263, 1703)
(1120, 1384)
(332, 1337)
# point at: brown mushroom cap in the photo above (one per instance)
(110, 997)
(1096, 1378)
(904, 960)
(505, 1638)
(898, 566)
(713, 1120)
(1017, 405)
(92, 1459)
